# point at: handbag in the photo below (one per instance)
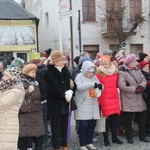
(100, 125)
(26, 105)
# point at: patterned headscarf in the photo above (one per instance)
(14, 77)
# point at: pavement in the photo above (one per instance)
(138, 145)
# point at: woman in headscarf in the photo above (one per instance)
(11, 97)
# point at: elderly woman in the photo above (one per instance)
(86, 99)
(59, 96)
(131, 83)
(11, 97)
(31, 123)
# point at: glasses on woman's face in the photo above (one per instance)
(90, 74)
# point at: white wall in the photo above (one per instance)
(90, 32)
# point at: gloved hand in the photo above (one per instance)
(139, 89)
(68, 95)
(98, 86)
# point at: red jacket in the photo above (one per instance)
(109, 99)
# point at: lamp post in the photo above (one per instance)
(79, 31)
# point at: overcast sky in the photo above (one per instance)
(18, 1)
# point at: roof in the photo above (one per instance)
(9, 9)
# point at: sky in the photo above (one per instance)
(18, 1)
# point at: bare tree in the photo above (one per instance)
(114, 17)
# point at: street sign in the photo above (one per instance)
(66, 14)
(65, 9)
(64, 6)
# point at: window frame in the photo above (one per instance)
(88, 11)
(110, 4)
(136, 8)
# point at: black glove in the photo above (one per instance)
(95, 85)
(98, 86)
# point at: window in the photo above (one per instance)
(22, 55)
(115, 4)
(91, 49)
(114, 47)
(135, 7)
(88, 9)
(112, 5)
(134, 48)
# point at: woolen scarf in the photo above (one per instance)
(109, 71)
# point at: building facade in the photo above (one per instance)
(18, 31)
(59, 26)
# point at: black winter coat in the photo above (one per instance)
(41, 80)
(57, 84)
(147, 90)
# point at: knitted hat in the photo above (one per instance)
(17, 62)
(119, 56)
(142, 56)
(107, 52)
(105, 58)
(56, 56)
(13, 72)
(143, 63)
(27, 68)
(86, 59)
(130, 58)
(83, 54)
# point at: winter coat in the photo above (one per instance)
(31, 123)
(57, 84)
(130, 101)
(87, 106)
(147, 89)
(41, 80)
(109, 100)
(10, 102)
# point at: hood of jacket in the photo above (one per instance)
(86, 66)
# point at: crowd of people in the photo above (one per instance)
(113, 86)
